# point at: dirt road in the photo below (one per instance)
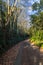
(23, 54)
(28, 55)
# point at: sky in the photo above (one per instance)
(25, 5)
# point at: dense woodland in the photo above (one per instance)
(11, 32)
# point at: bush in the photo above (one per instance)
(42, 45)
(39, 44)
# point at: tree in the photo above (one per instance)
(37, 18)
(35, 6)
(37, 22)
(38, 6)
(3, 14)
(41, 4)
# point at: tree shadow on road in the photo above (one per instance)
(31, 55)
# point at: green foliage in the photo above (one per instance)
(35, 6)
(39, 44)
(42, 46)
(37, 20)
(38, 6)
(36, 30)
(41, 4)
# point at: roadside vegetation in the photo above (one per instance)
(36, 30)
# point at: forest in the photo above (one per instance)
(14, 26)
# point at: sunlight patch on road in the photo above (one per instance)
(34, 47)
(40, 63)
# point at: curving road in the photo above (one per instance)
(28, 55)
